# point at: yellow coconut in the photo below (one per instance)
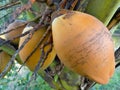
(29, 47)
(84, 45)
(4, 59)
(17, 26)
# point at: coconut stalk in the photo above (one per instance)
(103, 9)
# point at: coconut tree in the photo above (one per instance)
(41, 13)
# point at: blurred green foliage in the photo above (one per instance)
(15, 80)
(7, 12)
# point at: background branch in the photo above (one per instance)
(9, 5)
